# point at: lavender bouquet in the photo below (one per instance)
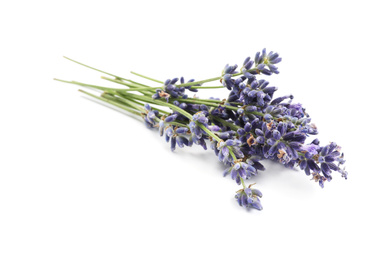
(248, 126)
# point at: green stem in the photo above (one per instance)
(196, 87)
(242, 182)
(178, 124)
(198, 82)
(112, 103)
(107, 73)
(103, 88)
(132, 86)
(232, 154)
(145, 77)
(153, 108)
(196, 101)
(120, 103)
(137, 83)
(89, 85)
(125, 101)
(115, 76)
(157, 102)
(212, 79)
(205, 100)
(209, 132)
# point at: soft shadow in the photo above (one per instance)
(276, 174)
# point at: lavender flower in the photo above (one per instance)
(269, 60)
(227, 147)
(240, 171)
(249, 198)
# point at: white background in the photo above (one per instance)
(81, 181)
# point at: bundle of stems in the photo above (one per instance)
(246, 127)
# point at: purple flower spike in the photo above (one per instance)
(249, 198)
